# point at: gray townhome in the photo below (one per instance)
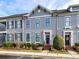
(41, 26)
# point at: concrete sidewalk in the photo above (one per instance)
(39, 54)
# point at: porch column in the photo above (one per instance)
(6, 32)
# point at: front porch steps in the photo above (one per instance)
(47, 47)
(68, 48)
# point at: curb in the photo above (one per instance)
(38, 54)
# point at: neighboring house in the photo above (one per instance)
(41, 26)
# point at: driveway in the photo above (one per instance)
(25, 57)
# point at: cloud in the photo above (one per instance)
(67, 4)
(9, 7)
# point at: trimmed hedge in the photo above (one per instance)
(8, 44)
(76, 47)
(58, 42)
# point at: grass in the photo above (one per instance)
(19, 50)
(59, 51)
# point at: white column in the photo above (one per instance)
(23, 30)
(14, 31)
(6, 32)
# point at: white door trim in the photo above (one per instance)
(50, 35)
(72, 41)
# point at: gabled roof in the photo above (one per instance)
(40, 7)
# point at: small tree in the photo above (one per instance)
(58, 42)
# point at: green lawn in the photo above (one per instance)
(19, 50)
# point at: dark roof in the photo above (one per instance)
(16, 15)
(76, 5)
(60, 11)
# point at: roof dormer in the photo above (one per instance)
(73, 8)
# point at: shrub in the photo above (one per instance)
(14, 45)
(25, 45)
(76, 47)
(76, 44)
(22, 45)
(33, 46)
(39, 45)
(28, 45)
(8, 44)
(58, 42)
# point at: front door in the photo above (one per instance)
(67, 38)
(47, 37)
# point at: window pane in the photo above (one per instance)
(10, 37)
(27, 23)
(18, 37)
(78, 38)
(67, 21)
(18, 24)
(10, 25)
(78, 20)
(28, 37)
(47, 22)
(37, 24)
(37, 37)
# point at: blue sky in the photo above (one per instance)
(10, 7)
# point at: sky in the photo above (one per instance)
(11, 7)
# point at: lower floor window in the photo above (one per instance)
(27, 37)
(78, 38)
(37, 37)
(18, 36)
(10, 37)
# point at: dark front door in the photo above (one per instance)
(67, 39)
(47, 37)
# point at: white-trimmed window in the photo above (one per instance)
(28, 37)
(47, 21)
(78, 21)
(18, 24)
(10, 37)
(10, 24)
(28, 24)
(67, 22)
(78, 37)
(18, 36)
(38, 37)
(37, 23)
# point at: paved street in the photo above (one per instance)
(25, 57)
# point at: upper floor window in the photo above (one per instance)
(67, 22)
(18, 24)
(47, 22)
(10, 25)
(37, 37)
(37, 23)
(28, 24)
(27, 37)
(78, 20)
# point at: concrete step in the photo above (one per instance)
(47, 47)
